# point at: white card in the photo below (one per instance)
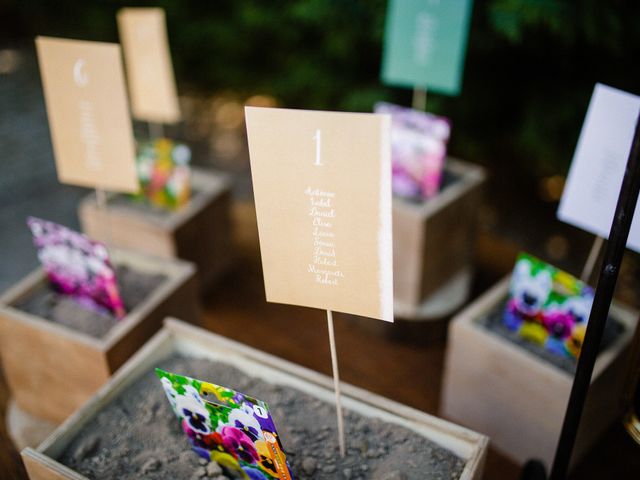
(322, 186)
(595, 177)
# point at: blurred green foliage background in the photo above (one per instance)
(530, 69)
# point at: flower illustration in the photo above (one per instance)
(191, 407)
(243, 419)
(229, 463)
(169, 391)
(239, 444)
(266, 462)
(254, 473)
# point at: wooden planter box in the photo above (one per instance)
(70, 366)
(200, 232)
(433, 244)
(518, 399)
(187, 340)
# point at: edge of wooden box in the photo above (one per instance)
(484, 303)
(466, 443)
(177, 272)
(471, 176)
(210, 184)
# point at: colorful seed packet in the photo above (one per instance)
(227, 427)
(418, 150)
(548, 306)
(164, 173)
(77, 266)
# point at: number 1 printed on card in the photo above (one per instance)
(318, 138)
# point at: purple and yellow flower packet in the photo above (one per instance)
(164, 172)
(227, 427)
(77, 266)
(548, 306)
(418, 150)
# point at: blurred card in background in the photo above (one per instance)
(418, 150)
(88, 113)
(77, 266)
(591, 192)
(425, 43)
(143, 34)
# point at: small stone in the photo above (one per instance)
(86, 448)
(309, 465)
(200, 472)
(328, 469)
(203, 462)
(346, 473)
(151, 465)
(187, 456)
(213, 469)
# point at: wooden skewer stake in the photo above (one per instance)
(591, 259)
(419, 101)
(101, 202)
(336, 383)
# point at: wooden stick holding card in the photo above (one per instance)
(322, 186)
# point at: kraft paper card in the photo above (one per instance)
(595, 177)
(322, 185)
(143, 34)
(425, 43)
(88, 113)
(227, 427)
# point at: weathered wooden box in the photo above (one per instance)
(51, 370)
(199, 232)
(433, 244)
(515, 397)
(187, 340)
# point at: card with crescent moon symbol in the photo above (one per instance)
(88, 113)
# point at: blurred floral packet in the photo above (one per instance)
(418, 150)
(548, 306)
(163, 172)
(77, 266)
(228, 427)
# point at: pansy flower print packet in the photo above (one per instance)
(227, 427)
(548, 306)
(77, 266)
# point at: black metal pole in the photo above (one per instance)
(600, 311)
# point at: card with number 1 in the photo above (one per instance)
(322, 185)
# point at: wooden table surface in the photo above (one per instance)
(401, 361)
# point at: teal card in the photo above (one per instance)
(425, 44)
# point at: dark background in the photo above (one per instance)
(530, 70)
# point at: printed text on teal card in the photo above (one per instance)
(425, 44)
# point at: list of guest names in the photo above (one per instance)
(322, 213)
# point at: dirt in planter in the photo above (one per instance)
(493, 322)
(137, 435)
(46, 302)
